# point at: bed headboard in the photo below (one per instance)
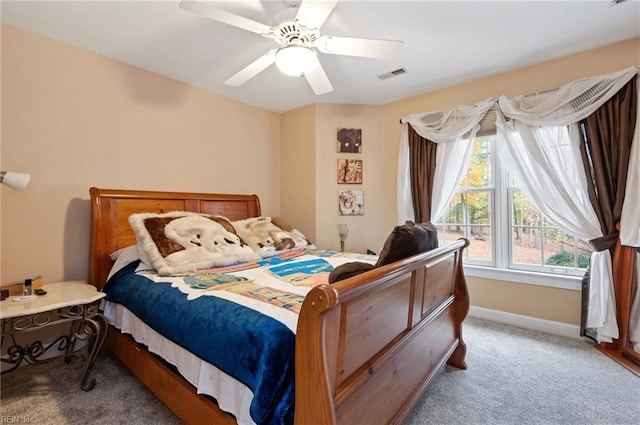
(111, 208)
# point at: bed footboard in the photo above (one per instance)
(367, 347)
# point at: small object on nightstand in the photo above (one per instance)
(27, 287)
(23, 298)
(40, 291)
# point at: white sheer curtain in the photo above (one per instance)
(547, 165)
(630, 218)
(454, 131)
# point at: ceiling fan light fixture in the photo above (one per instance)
(296, 60)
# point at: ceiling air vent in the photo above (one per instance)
(393, 73)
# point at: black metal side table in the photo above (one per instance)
(65, 302)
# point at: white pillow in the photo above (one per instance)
(122, 257)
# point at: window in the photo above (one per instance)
(538, 245)
(470, 210)
(504, 227)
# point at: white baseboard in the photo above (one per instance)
(527, 322)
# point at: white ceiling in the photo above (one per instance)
(446, 42)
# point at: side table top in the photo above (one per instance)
(59, 294)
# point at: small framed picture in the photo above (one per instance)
(350, 171)
(351, 202)
(349, 140)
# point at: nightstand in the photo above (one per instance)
(65, 302)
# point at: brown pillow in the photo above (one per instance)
(407, 240)
(347, 270)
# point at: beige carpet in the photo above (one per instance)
(515, 376)
(50, 394)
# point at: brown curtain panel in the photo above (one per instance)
(606, 146)
(422, 168)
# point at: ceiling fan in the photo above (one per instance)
(299, 39)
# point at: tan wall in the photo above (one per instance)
(559, 305)
(75, 119)
(364, 231)
(298, 171)
(315, 128)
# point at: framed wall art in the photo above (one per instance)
(349, 171)
(351, 202)
(349, 140)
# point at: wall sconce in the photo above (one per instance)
(17, 181)
(343, 231)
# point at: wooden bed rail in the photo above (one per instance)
(367, 344)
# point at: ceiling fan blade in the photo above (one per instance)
(253, 69)
(362, 47)
(319, 81)
(225, 17)
(312, 14)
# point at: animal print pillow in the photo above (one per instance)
(269, 236)
(181, 241)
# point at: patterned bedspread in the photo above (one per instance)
(241, 319)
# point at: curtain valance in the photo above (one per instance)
(568, 104)
(451, 125)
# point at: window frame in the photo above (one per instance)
(552, 270)
(490, 191)
(503, 267)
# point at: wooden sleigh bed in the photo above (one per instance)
(366, 348)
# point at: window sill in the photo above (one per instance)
(573, 283)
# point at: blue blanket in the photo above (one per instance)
(253, 348)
